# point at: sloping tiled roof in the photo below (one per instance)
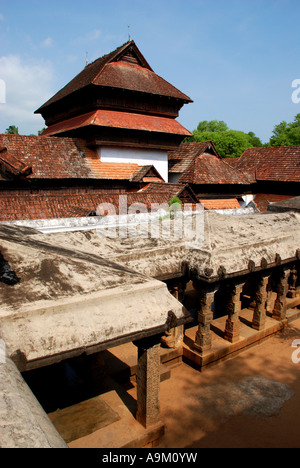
(46, 206)
(12, 165)
(280, 164)
(233, 162)
(220, 204)
(209, 169)
(109, 71)
(115, 119)
(39, 157)
(181, 158)
(171, 190)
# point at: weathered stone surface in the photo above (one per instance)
(148, 383)
(237, 242)
(260, 310)
(70, 301)
(23, 422)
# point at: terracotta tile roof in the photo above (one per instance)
(115, 171)
(233, 162)
(183, 191)
(12, 165)
(136, 78)
(63, 158)
(262, 200)
(110, 71)
(146, 174)
(181, 158)
(271, 163)
(46, 206)
(210, 169)
(115, 119)
(220, 204)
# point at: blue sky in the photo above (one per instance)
(236, 59)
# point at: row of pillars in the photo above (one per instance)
(148, 373)
(286, 286)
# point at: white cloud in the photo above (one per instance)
(1, 17)
(48, 42)
(28, 86)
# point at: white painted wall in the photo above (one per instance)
(159, 159)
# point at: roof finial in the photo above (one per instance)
(86, 59)
(129, 33)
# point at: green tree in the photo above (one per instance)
(229, 143)
(286, 134)
(254, 140)
(212, 126)
(12, 130)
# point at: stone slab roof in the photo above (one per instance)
(263, 200)
(236, 245)
(65, 301)
(291, 204)
(227, 241)
(76, 283)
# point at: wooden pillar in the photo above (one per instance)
(261, 298)
(203, 340)
(234, 306)
(280, 306)
(148, 381)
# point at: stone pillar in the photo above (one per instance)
(148, 381)
(292, 292)
(261, 298)
(205, 317)
(280, 306)
(174, 337)
(234, 307)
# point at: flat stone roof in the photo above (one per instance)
(67, 301)
(230, 242)
(236, 245)
(82, 291)
(292, 204)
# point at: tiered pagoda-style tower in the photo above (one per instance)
(120, 106)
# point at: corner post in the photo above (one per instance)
(148, 381)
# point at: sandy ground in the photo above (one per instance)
(250, 401)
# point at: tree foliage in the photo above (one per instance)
(229, 143)
(286, 134)
(212, 126)
(12, 130)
